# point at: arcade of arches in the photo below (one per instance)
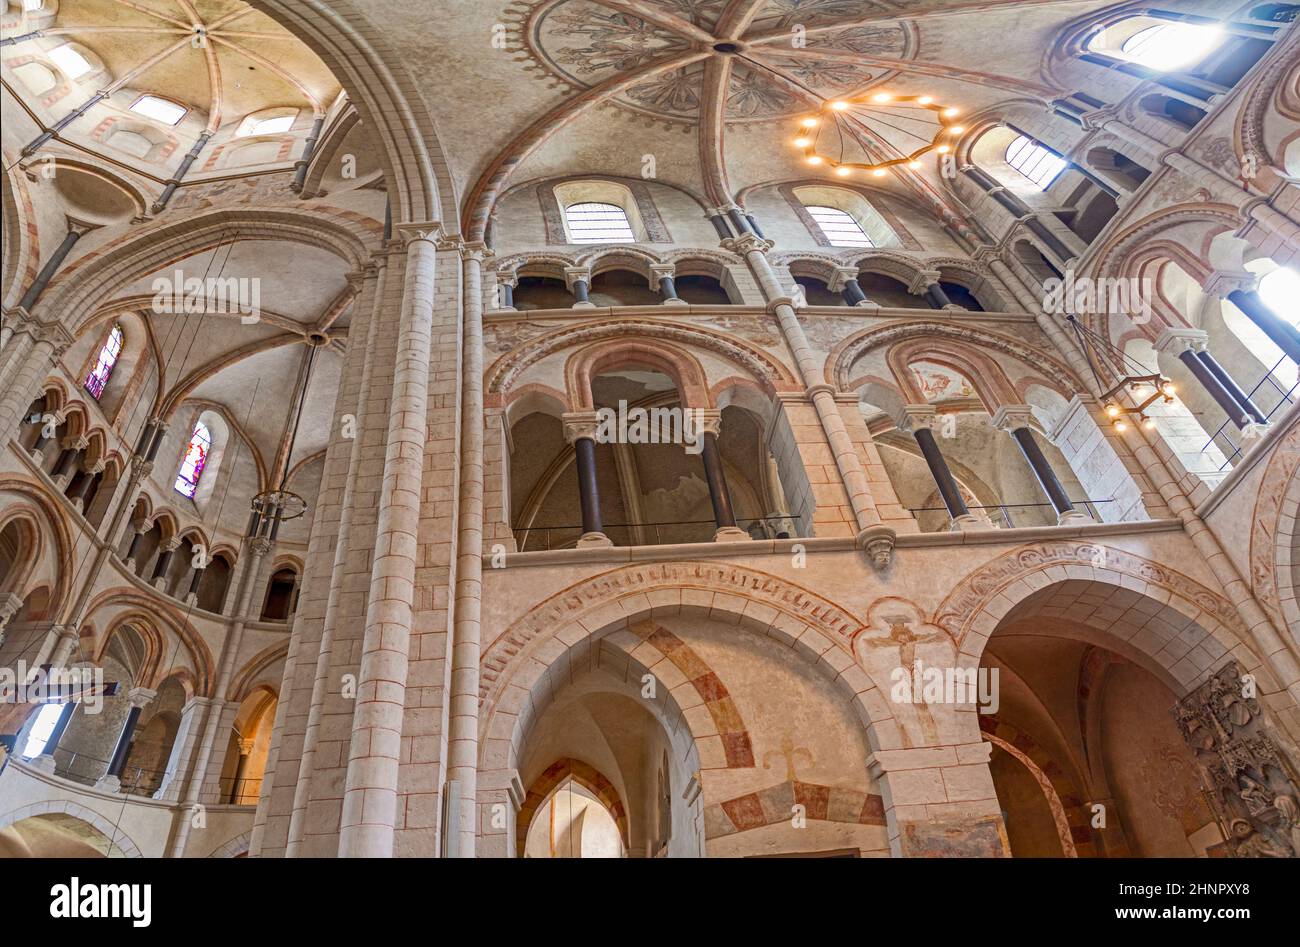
(501, 440)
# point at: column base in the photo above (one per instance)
(969, 522)
(129, 564)
(675, 302)
(1251, 435)
(1073, 518)
(589, 540)
(191, 598)
(732, 534)
(160, 583)
(60, 482)
(38, 458)
(953, 307)
(866, 304)
(584, 306)
(503, 309)
(108, 783)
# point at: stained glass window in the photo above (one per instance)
(103, 366)
(196, 455)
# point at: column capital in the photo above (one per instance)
(746, 243)
(171, 545)
(660, 270)
(922, 280)
(246, 746)
(913, 417)
(840, 276)
(140, 696)
(429, 231)
(706, 420)
(1221, 283)
(1009, 417)
(579, 424)
(1178, 341)
(140, 527)
(260, 545)
(510, 277)
(878, 543)
(574, 273)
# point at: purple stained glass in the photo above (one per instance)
(103, 367)
(196, 456)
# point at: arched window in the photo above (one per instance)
(1280, 291)
(38, 737)
(196, 456)
(594, 222)
(1040, 165)
(1169, 46)
(104, 363)
(839, 226)
(159, 109)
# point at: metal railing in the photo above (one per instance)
(1004, 511)
(1232, 452)
(668, 532)
(87, 770)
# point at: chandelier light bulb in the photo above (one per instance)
(815, 159)
(882, 97)
(957, 129)
(879, 172)
(809, 123)
(1119, 426)
(925, 100)
(950, 112)
(1149, 423)
(802, 142)
(1112, 410)
(913, 164)
(943, 149)
(1167, 389)
(839, 106)
(842, 172)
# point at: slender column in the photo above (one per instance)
(309, 148)
(580, 431)
(463, 719)
(663, 279)
(141, 527)
(196, 578)
(49, 269)
(506, 283)
(753, 225)
(578, 279)
(31, 362)
(174, 182)
(1230, 385)
(60, 726)
(62, 471)
(873, 537)
(10, 603)
(1284, 335)
(43, 440)
(738, 220)
(720, 225)
(245, 748)
(845, 281)
(111, 781)
(258, 547)
(707, 427)
(919, 419)
(1015, 419)
(88, 474)
(36, 143)
(1187, 344)
(159, 578)
(370, 792)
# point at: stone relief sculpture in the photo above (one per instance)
(1252, 784)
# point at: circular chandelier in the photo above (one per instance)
(823, 137)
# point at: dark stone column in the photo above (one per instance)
(1210, 383)
(738, 221)
(48, 270)
(1015, 420)
(124, 742)
(300, 174)
(63, 123)
(853, 293)
(936, 297)
(195, 579)
(917, 419)
(138, 538)
(507, 295)
(580, 431)
(753, 225)
(1230, 385)
(64, 464)
(723, 515)
(181, 171)
(164, 562)
(1284, 335)
(59, 727)
(720, 225)
(668, 288)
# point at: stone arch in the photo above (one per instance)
(1190, 628)
(94, 277)
(56, 527)
(619, 257)
(683, 369)
(819, 630)
(162, 621)
(236, 847)
(1276, 533)
(769, 371)
(839, 364)
(415, 170)
(985, 374)
(555, 776)
(113, 833)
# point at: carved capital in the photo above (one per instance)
(1009, 417)
(579, 424)
(878, 544)
(840, 276)
(1177, 341)
(1221, 283)
(913, 417)
(922, 280)
(746, 243)
(574, 273)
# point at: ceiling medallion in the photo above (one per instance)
(828, 138)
